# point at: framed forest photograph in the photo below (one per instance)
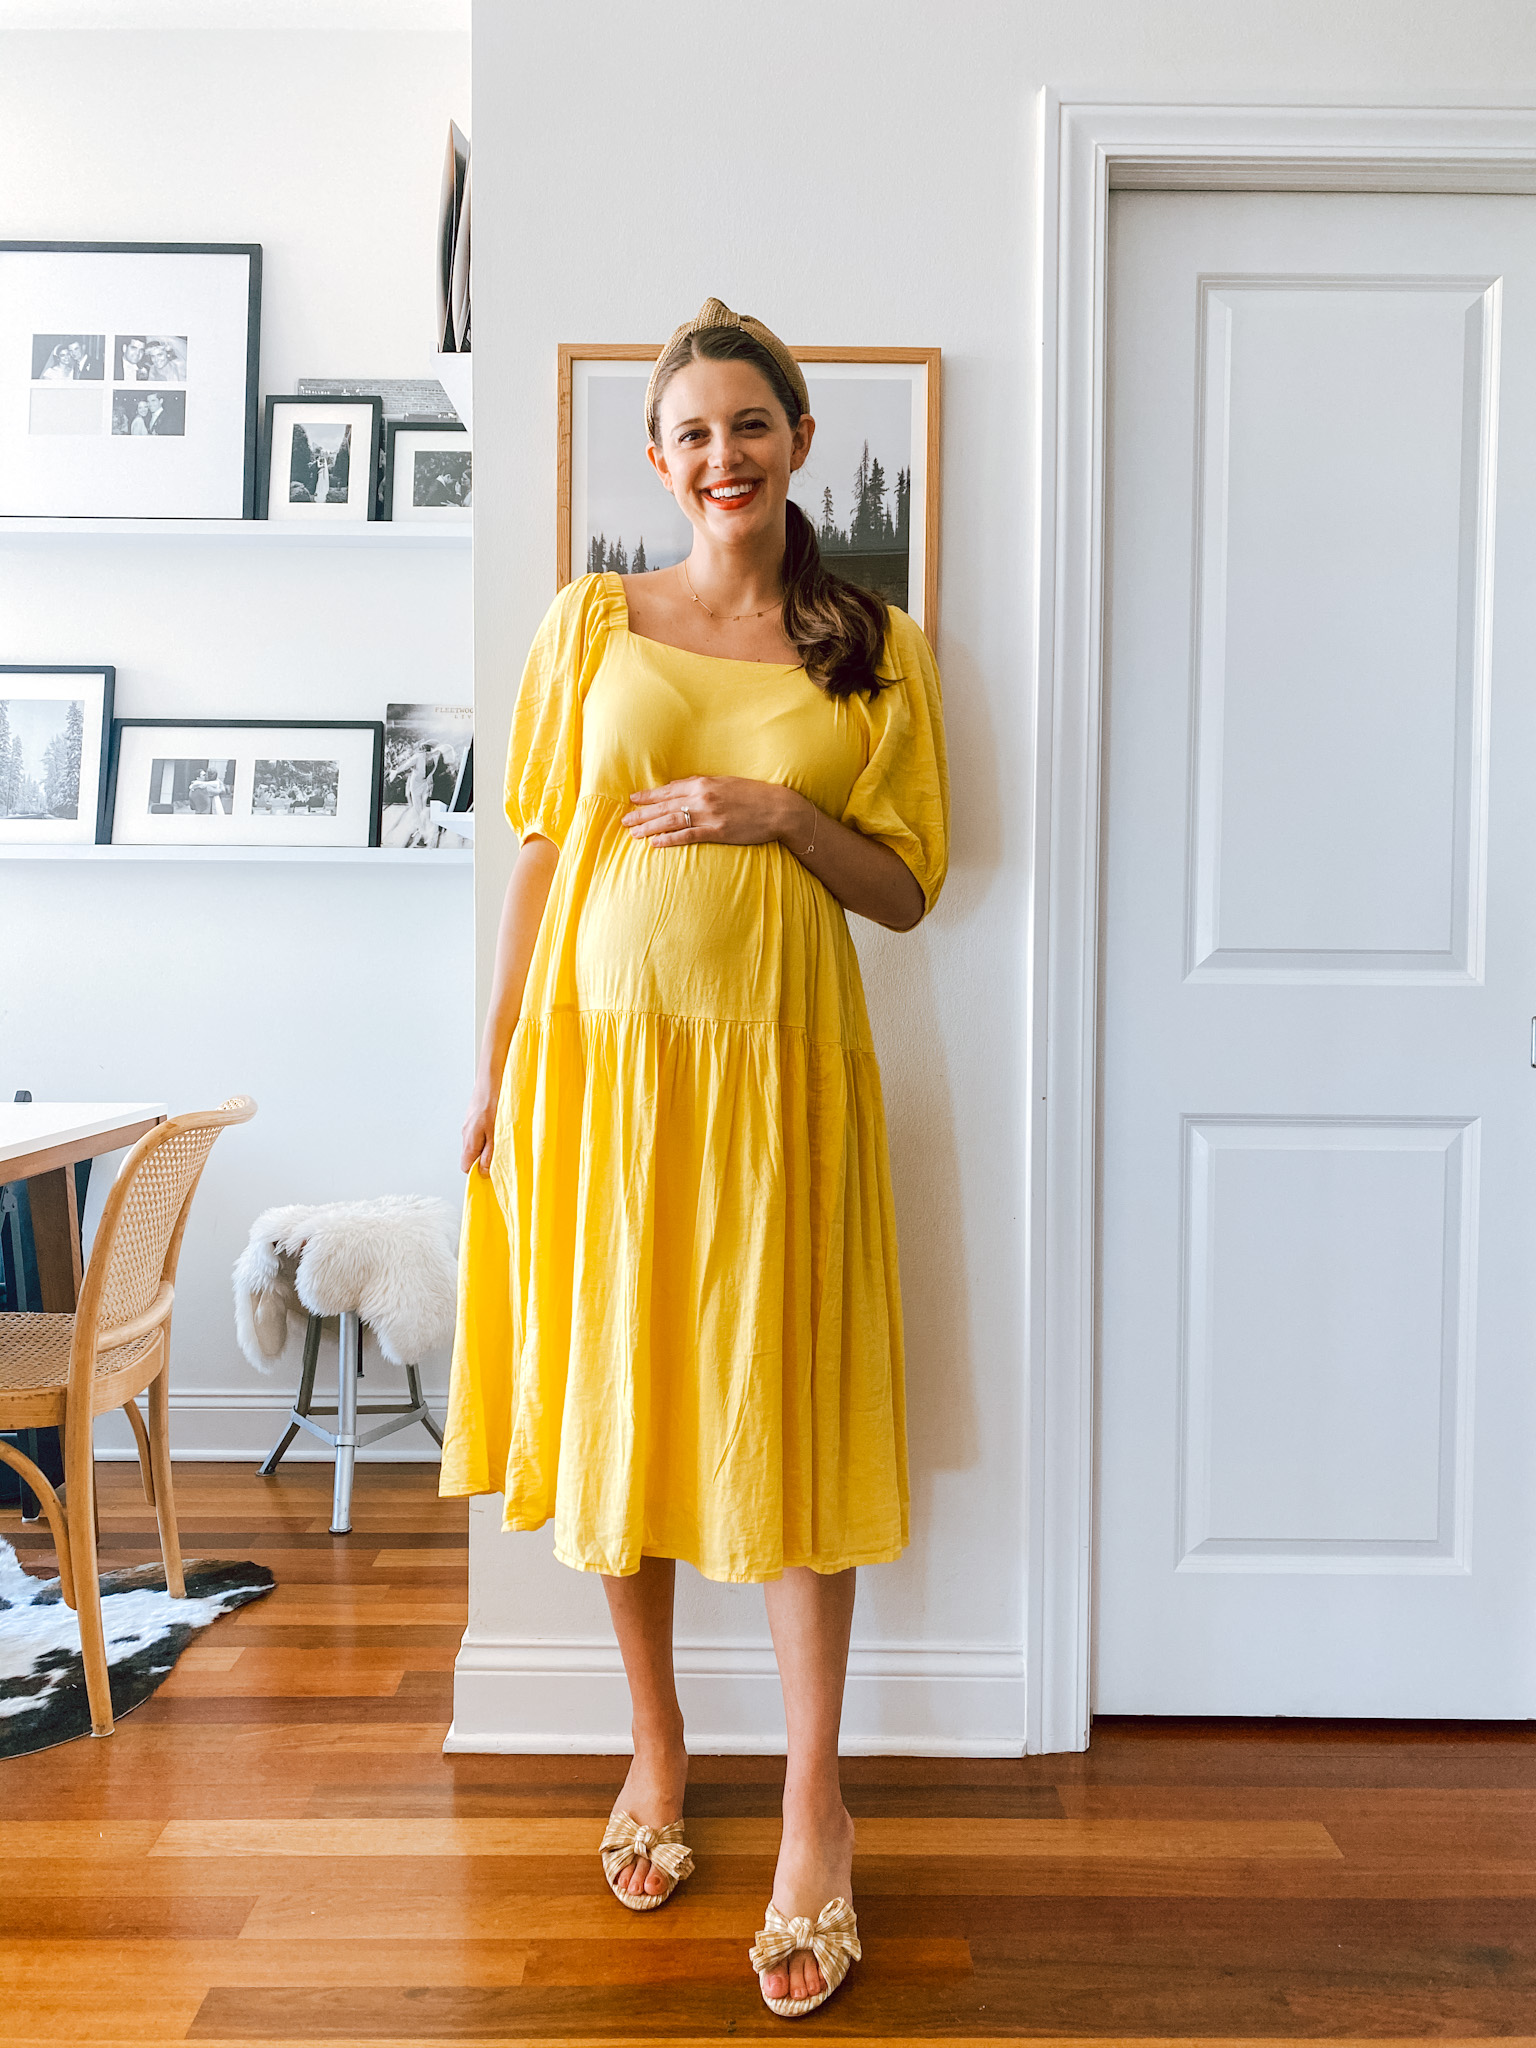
(55, 733)
(870, 485)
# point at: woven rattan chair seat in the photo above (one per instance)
(34, 1354)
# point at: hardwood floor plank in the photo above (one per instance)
(719, 1960)
(136, 1970)
(413, 1561)
(1153, 1841)
(867, 2040)
(280, 1674)
(120, 1916)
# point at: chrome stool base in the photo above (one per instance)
(345, 1441)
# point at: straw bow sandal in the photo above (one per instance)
(626, 1842)
(832, 1938)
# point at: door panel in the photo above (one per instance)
(1318, 1207)
(1346, 449)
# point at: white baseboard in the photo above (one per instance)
(525, 1696)
(215, 1427)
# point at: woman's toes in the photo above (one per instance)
(804, 1977)
(635, 1876)
(656, 1882)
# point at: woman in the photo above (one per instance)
(680, 1327)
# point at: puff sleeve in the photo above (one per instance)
(902, 796)
(544, 749)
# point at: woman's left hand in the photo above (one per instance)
(727, 810)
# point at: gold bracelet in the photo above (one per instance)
(816, 820)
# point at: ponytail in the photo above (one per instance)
(837, 629)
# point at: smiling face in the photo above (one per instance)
(727, 450)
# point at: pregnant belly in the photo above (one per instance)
(735, 933)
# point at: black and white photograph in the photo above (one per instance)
(429, 473)
(319, 465)
(425, 746)
(150, 359)
(161, 414)
(287, 789)
(855, 486)
(69, 358)
(53, 726)
(441, 479)
(221, 782)
(41, 740)
(865, 487)
(98, 342)
(196, 788)
(623, 517)
(320, 458)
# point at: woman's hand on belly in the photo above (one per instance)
(729, 810)
(724, 810)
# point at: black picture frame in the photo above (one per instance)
(311, 398)
(372, 725)
(393, 429)
(463, 798)
(108, 675)
(252, 252)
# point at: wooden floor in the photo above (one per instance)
(274, 1849)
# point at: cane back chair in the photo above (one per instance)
(62, 1371)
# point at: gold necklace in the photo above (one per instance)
(731, 618)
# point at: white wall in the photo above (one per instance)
(862, 171)
(339, 996)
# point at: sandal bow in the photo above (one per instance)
(627, 1841)
(832, 1938)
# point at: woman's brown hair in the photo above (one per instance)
(837, 629)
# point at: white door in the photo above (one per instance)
(1317, 1473)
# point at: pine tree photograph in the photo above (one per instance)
(41, 742)
(856, 486)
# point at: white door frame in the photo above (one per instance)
(1087, 150)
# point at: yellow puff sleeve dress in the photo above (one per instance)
(679, 1320)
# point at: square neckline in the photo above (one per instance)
(667, 647)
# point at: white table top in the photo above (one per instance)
(34, 1126)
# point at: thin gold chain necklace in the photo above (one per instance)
(731, 618)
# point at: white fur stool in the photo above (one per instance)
(389, 1263)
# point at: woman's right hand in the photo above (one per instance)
(479, 1133)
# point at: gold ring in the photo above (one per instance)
(687, 819)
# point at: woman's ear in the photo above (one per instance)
(658, 462)
(800, 441)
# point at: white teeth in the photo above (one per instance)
(730, 490)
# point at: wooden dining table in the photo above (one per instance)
(42, 1143)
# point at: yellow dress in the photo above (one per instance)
(679, 1318)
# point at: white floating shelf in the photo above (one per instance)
(374, 533)
(374, 856)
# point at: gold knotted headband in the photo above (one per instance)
(714, 313)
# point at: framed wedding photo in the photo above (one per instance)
(55, 730)
(319, 459)
(428, 474)
(209, 782)
(870, 486)
(128, 379)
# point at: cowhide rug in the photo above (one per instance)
(42, 1680)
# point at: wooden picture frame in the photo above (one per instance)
(361, 501)
(925, 444)
(236, 807)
